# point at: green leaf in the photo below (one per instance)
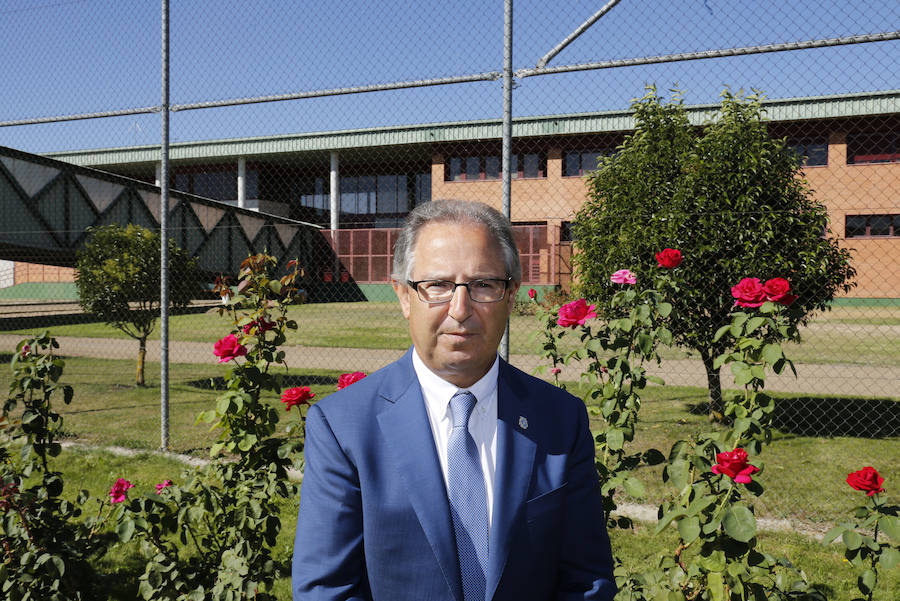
(125, 530)
(866, 581)
(716, 584)
(721, 332)
(634, 488)
(852, 539)
(714, 562)
(656, 380)
(890, 557)
(890, 525)
(664, 309)
(753, 324)
(772, 353)
(689, 529)
(615, 439)
(832, 534)
(739, 523)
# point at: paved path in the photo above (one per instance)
(832, 379)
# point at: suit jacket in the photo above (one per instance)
(374, 519)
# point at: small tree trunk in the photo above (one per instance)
(142, 353)
(714, 383)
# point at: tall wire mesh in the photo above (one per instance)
(337, 120)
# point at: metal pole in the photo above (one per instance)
(581, 29)
(164, 239)
(334, 200)
(507, 133)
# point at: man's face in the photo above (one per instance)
(458, 339)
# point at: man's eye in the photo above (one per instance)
(437, 286)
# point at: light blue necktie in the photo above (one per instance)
(468, 499)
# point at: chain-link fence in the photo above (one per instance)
(321, 126)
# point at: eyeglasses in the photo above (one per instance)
(441, 291)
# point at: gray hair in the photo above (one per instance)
(455, 211)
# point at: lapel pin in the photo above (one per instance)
(523, 423)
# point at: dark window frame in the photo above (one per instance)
(862, 225)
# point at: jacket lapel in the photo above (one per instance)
(407, 436)
(515, 458)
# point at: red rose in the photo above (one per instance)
(532, 293)
(867, 480)
(163, 485)
(345, 380)
(118, 490)
(748, 293)
(669, 258)
(575, 313)
(261, 325)
(229, 348)
(26, 350)
(734, 465)
(778, 290)
(293, 397)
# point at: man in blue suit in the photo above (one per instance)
(450, 475)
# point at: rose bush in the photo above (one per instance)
(860, 537)
(345, 380)
(575, 313)
(213, 537)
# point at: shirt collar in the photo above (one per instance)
(438, 391)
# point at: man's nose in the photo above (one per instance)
(460, 304)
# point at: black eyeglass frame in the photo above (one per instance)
(415, 286)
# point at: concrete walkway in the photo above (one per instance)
(817, 379)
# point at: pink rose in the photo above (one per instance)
(118, 490)
(261, 325)
(26, 350)
(345, 380)
(668, 258)
(867, 480)
(734, 465)
(532, 293)
(575, 313)
(555, 371)
(778, 290)
(623, 276)
(748, 293)
(229, 348)
(293, 397)
(162, 485)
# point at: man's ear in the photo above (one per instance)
(511, 292)
(402, 291)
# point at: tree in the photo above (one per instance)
(117, 275)
(732, 199)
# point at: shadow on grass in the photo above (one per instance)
(831, 416)
(287, 381)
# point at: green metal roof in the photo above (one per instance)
(789, 109)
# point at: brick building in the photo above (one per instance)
(373, 177)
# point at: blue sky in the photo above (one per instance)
(73, 56)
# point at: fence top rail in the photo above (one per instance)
(782, 109)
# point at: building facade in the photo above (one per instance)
(360, 184)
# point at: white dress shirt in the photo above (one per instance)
(482, 423)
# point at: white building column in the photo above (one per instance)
(335, 200)
(242, 182)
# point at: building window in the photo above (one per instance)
(812, 152)
(581, 162)
(858, 226)
(873, 147)
(475, 168)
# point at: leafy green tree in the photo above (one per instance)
(117, 275)
(732, 199)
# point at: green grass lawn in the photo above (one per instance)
(855, 335)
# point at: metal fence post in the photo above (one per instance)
(164, 238)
